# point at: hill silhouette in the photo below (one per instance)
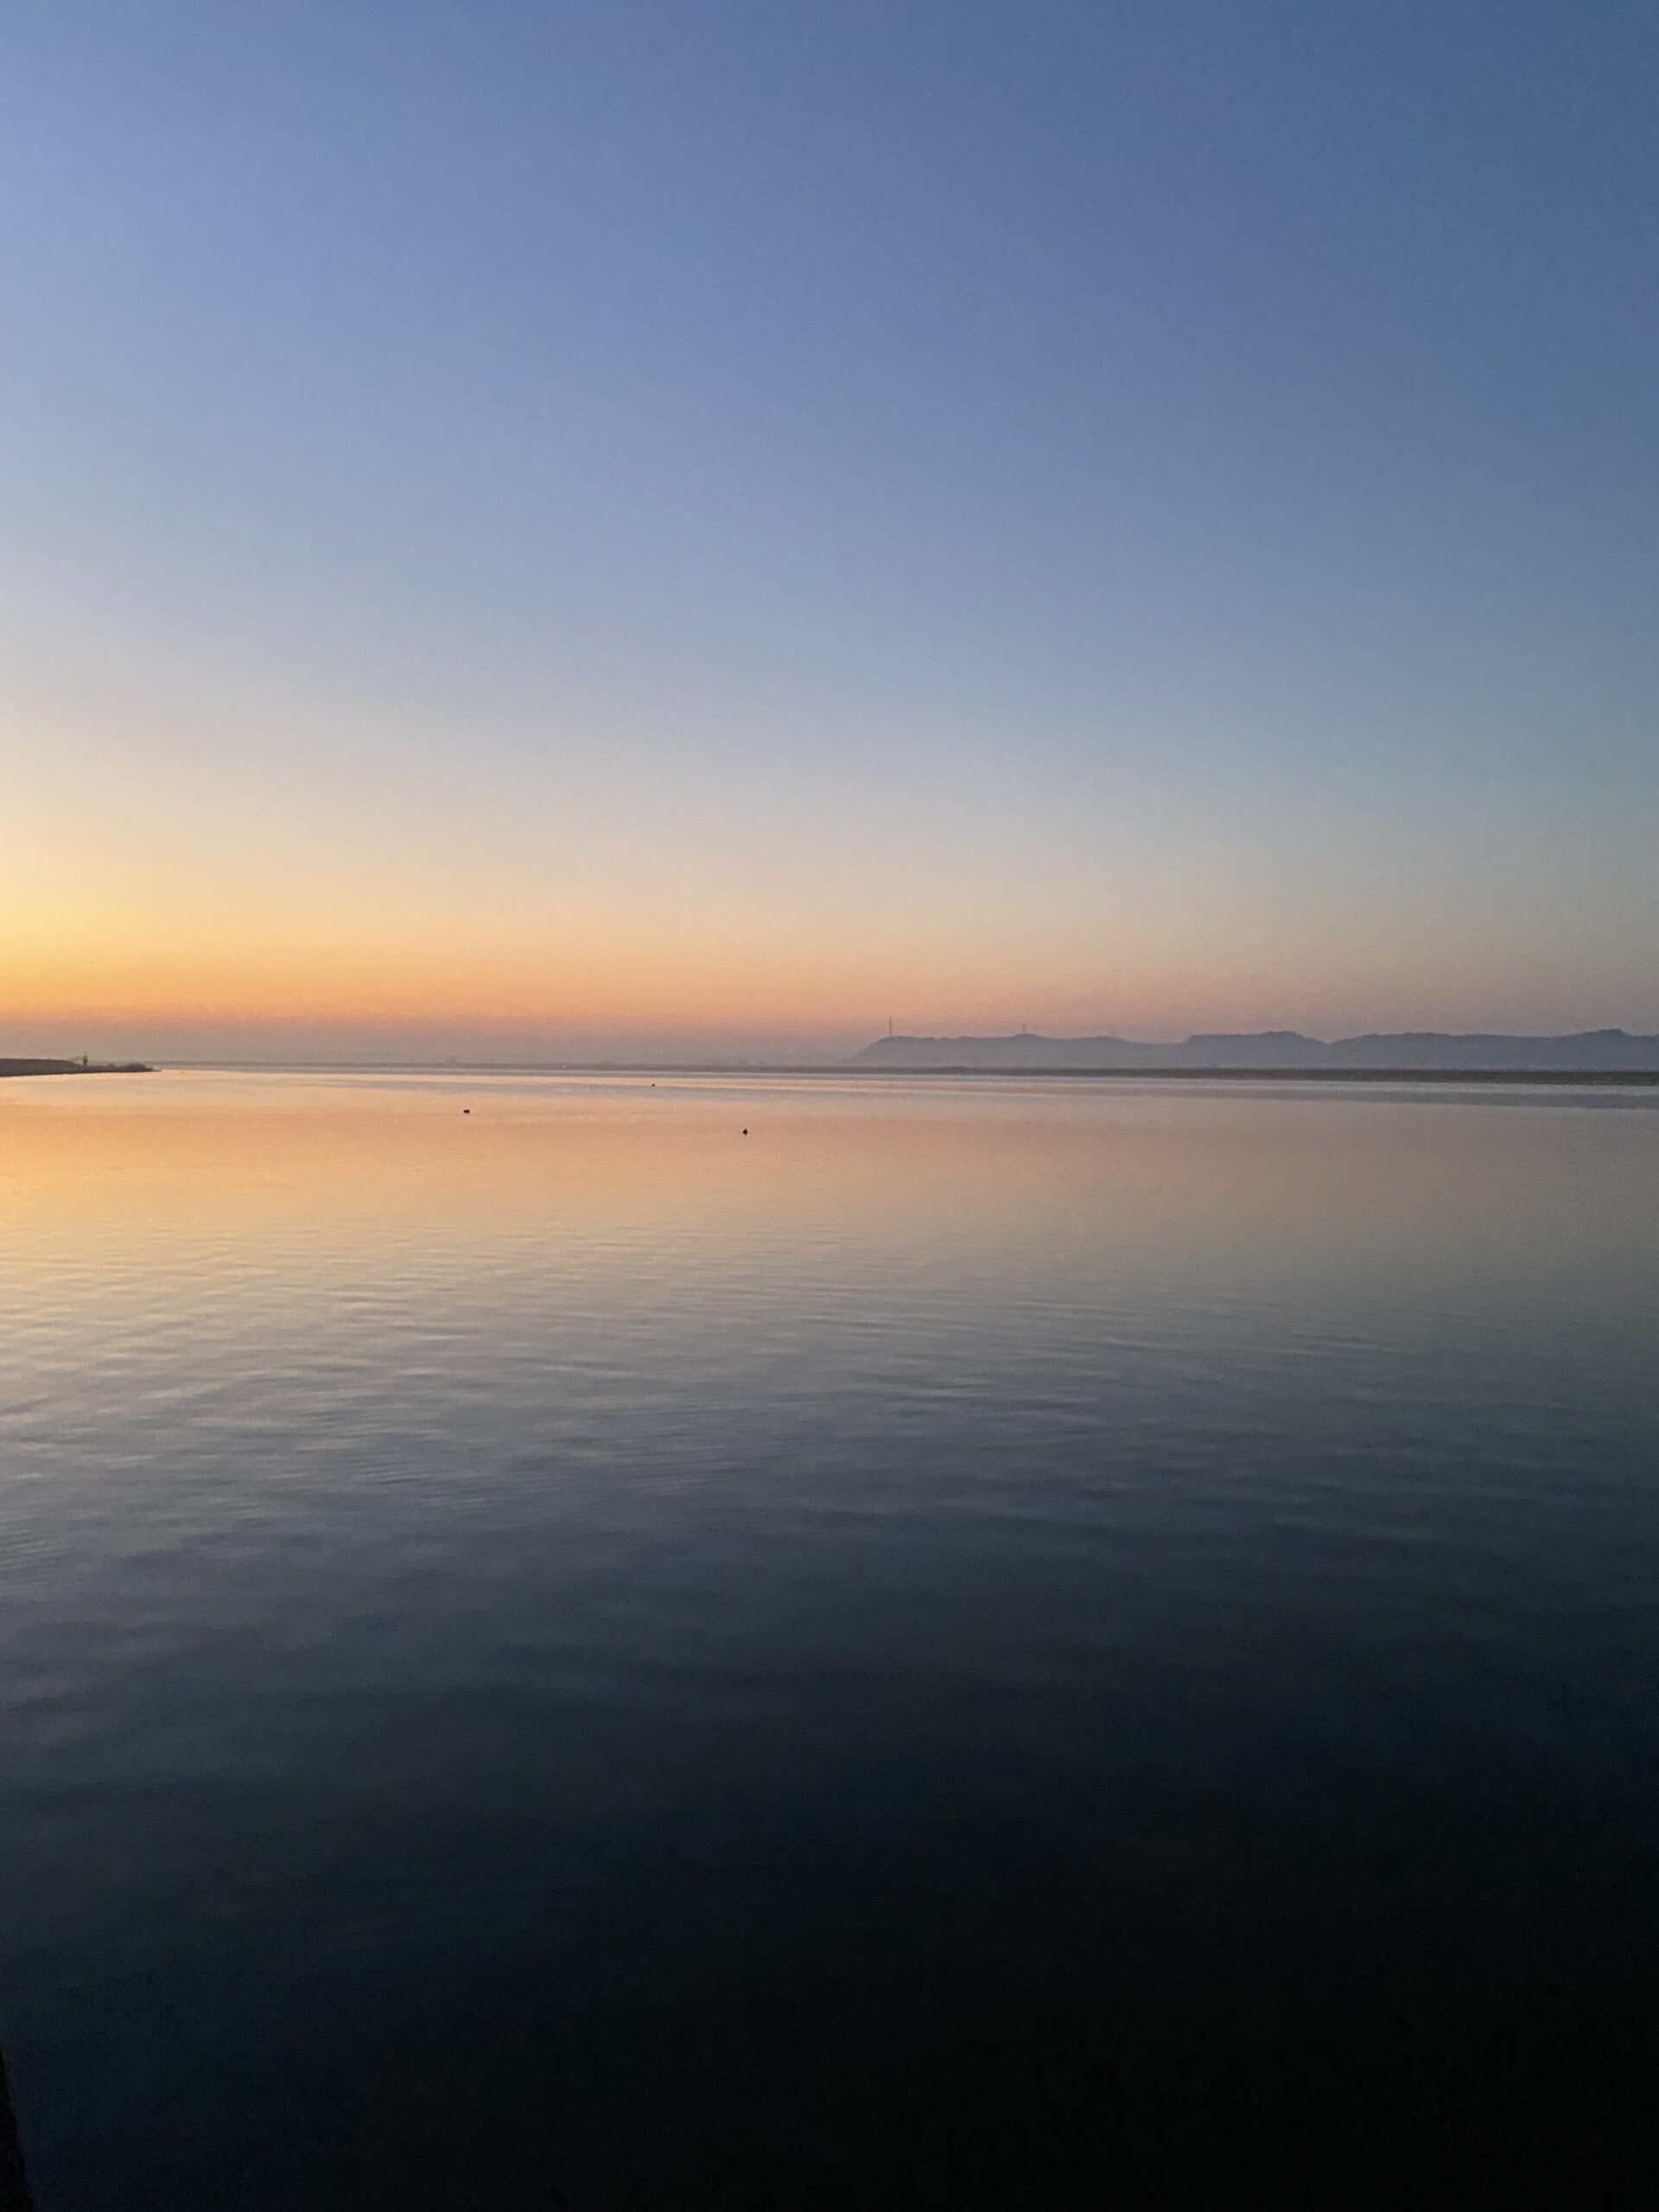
(1406, 1051)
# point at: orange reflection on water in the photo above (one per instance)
(1162, 1178)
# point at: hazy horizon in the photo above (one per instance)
(260, 1045)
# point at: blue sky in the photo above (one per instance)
(734, 521)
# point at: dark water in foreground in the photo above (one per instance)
(981, 1642)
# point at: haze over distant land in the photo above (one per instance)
(1604, 1052)
(1589, 1051)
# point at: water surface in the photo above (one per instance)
(990, 1640)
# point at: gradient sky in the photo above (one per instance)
(673, 527)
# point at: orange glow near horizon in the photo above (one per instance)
(178, 941)
(644, 973)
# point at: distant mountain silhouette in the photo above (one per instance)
(1591, 1051)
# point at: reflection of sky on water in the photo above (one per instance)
(420, 1528)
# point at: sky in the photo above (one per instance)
(692, 529)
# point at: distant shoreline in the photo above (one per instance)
(1597, 1079)
(1387, 1055)
(1572, 1076)
(75, 1067)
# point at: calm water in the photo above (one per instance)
(980, 1641)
